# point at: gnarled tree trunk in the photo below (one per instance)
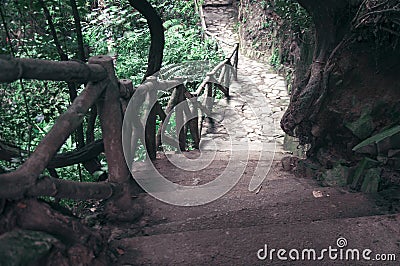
(332, 24)
(351, 90)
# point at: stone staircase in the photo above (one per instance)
(284, 212)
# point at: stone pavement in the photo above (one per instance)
(259, 97)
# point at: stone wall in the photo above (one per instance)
(256, 39)
(269, 37)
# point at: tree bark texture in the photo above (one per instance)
(157, 35)
(332, 20)
(109, 108)
(13, 69)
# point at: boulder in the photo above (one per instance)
(393, 153)
(336, 176)
(360, 171)
(362, 127)
(371, 180)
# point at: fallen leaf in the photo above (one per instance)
(120, 251)
(317, 194)
(21, 205)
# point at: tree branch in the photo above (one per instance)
(60, 188)
(16, 183)
(110, 113)
(78, 29)
(49, 19)
(12, 69)
(157, 35)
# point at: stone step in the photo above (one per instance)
(221, 3)
(253, 213)
(279, 193)
(220, 170)
(239, 246)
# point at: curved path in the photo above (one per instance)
(259, 97)
(283, 212)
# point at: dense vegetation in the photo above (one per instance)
(76, 30)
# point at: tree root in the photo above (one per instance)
(78, 244)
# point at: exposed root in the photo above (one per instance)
(76, 243)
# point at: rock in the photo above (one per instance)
(382, 159)
(337, 176)
(316, 131)
(393, 153)
(358, 177)
(392, 193)
(307, 168)
(283, 93)
(24, 247)
(240, 134)
(258, 132)
(363, 127)
(80, 255)
(252, 136)
(249, 130)
(276, 109)
(289, 162)
(371, 180)
(394, 163)
(292, 144)
(270, 76)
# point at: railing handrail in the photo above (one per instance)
(110, 95)
(227, 67)
(13, 69)
(233, 56)
(200, 10)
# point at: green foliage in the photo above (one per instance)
(184, 43)
(236, 27)
(294, 23)
(127, 37)
(275, 59)
(282, 22)
(292, 13)
(264, 4)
